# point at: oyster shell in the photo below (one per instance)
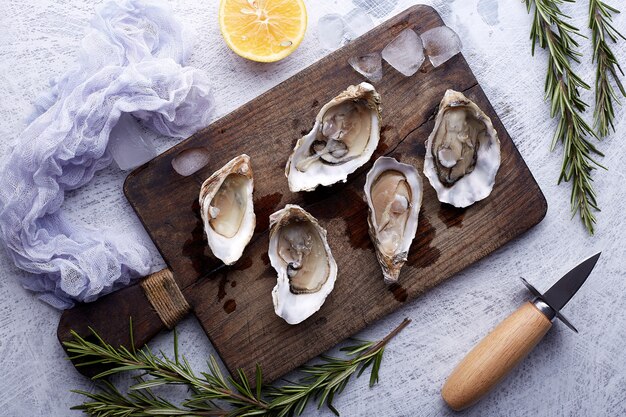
(306, 269)
(344, 137)
(227, 209)
(462, 152)
(394, 196)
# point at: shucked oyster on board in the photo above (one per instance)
(462, 152)
(344, 137)
(227, 209)
(394, 196)
(306, 269)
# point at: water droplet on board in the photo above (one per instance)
(451, 216)
(230, 306)
(196, 248)
(421, 253)
(263, 207)
(242, 264)
(399, 292)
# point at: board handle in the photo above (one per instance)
(110, 317)
(494, 356)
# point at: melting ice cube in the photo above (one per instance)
(405, 53)
(370, 66)
(190, 160)
(358, 22)
(129, 145)
(441, 44)
(331, 31)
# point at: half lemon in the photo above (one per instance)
(263, 30)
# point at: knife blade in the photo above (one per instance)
(513, 339)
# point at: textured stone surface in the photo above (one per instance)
(567, 375)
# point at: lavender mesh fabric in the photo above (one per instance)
(130, 62)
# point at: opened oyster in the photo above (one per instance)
(344, 137)
(462, 152)
(227, 209)
(394, 195)
(300, 254)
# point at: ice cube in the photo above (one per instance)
(441, 44)
(129, 145)
(331, 31)
(370, 66)
(405, 53)
(358, 22)
(190, 160)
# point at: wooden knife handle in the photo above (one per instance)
(110, 317)
(495, 355)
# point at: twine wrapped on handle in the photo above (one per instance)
(166, 297)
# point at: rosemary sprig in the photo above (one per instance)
(602, 30)
(553, 33)
(326, 380)
(212, 393)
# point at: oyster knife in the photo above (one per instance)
(512, 340)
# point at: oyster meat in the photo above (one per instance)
(344, 137)
(394, 196)
(227, 209)
(462, 152)
(306, 269)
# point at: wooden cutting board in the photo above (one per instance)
(234, 304)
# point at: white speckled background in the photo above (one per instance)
(567, 375)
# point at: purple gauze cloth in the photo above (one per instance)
(130, 62)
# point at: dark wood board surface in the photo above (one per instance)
(234, 304)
